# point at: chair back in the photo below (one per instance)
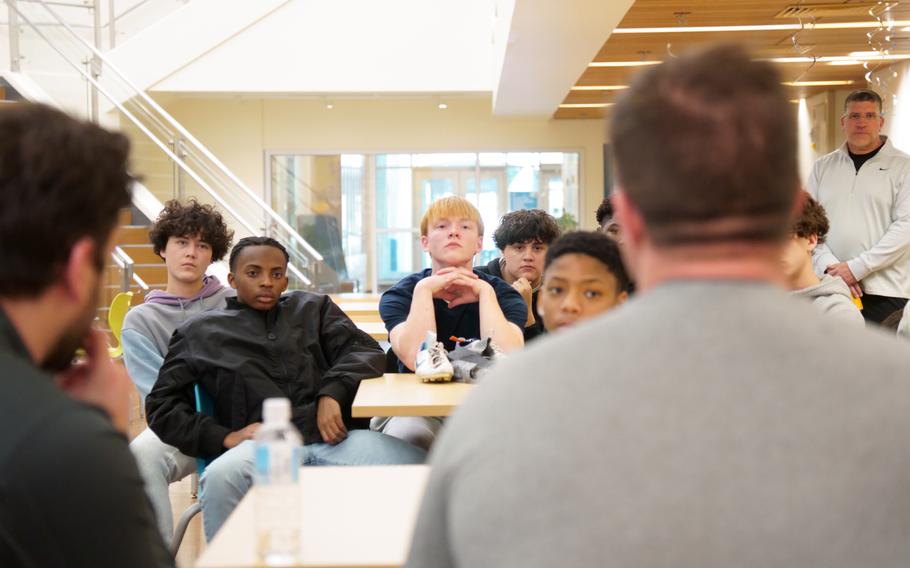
(115, 316)
(205, 404)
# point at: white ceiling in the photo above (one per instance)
(527, 53)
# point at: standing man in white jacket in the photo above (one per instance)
(862, 185)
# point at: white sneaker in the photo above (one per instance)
(433, 364)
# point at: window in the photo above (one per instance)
(349, 205)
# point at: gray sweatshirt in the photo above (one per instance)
(704, 424)
(148, 327)
(831, 296)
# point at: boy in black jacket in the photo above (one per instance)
(300, 346)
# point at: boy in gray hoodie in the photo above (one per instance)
(829, 294)
(189, 238)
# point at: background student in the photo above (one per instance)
(829, 294)
(189, 237)
(449, 299)
(583, 277)
(523, 237)
(299, 346)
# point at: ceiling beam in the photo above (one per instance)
(548, 48)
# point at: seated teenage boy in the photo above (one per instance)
(583, 277)
(300, 346)
(450, 299)
(829, 294)
(523, 237)
(189, 238)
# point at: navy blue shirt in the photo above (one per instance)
(460, 321)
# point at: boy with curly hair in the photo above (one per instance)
(523, 237)
(189, 237)
(830, 294)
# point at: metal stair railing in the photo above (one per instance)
(193, 164)
(128, 272)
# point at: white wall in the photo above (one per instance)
(241, 130)
(337, 46)
(897, 117)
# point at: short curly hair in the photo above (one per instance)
(604, 211)
(255, 242)
(812, 220)
(596, 245)
(525, 225)
(193, 218)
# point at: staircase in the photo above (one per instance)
(82, 78)
(133, 239)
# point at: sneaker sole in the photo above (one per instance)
(437, 378)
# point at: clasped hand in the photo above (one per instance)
(456, 286)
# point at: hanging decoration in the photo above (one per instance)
(800, 49)
(881, 43)
(682, 19)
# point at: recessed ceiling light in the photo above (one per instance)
(830, 58)
(621, 63)
(756, 28)
(816, 83)
(599, 87)
(789, 83)
(585, 105)
(867, 54)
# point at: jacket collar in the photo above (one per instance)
(886, 149)
(10, 341)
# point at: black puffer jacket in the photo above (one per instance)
(303, 348)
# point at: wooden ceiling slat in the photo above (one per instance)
(660, 13)
(765, 44)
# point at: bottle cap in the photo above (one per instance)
(276, 410)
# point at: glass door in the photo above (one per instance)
(491, 199)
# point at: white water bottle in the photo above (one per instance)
(278, 457)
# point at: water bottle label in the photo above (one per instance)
(262, 463)
(277, 463)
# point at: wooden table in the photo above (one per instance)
(355, 309)
(355, 297)
(375, 329)
(349, 516)
(402, 394)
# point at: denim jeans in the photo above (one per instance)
(227, 479)
(160, 465)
